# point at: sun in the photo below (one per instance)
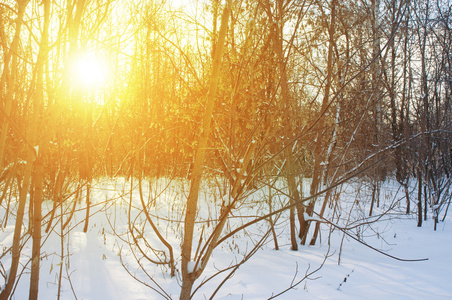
(89, 71)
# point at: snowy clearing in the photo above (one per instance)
(94, 270)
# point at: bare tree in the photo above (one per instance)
(191, 273)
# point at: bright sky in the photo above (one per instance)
(90, 70)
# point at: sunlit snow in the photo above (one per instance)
(94, 262)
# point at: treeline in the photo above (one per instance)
(378, 76)
(290, 89)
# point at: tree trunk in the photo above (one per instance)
(376, 72)
(425, 202)
(294, 195)
(407, 195)
(30, 158)
(424, 110)
(39, 164)
(318, 152)
(317, 223)
(15, 251)
(374, 191)
(333, 179)
(419, 199)
(88, 205)
(36, 229)
(188, 278)
(7, 79)
(270, 219)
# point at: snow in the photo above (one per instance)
(227, 200)
(96, 266)
(191, 266)
(309, 218)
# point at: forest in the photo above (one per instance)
(217, 116)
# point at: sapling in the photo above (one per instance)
(345, 280)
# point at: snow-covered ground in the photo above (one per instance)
(93, 265)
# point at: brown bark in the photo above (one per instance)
(289, 165)
(318, 152)
(7, 79)
(419, 199)
(188, 278)
(38, 103)
(30, 158)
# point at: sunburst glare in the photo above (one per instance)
(89, 70)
